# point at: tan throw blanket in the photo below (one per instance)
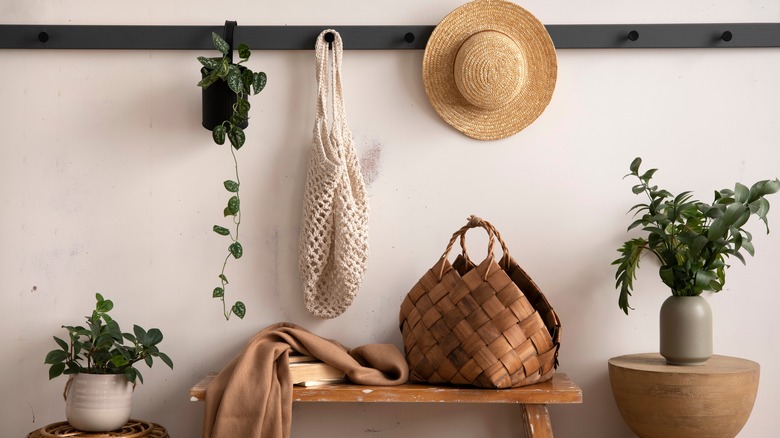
(252, 396)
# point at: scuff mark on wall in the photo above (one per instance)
(370, 162)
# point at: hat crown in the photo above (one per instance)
(490, 69)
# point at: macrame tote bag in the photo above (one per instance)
(486, 325)
(334, 232)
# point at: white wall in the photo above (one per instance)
(109, 184)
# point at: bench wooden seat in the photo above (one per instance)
(533, 399)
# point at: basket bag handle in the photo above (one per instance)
(473, 222)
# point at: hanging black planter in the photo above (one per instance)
(218, 99)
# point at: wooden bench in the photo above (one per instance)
(533, 399)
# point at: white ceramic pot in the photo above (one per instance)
(98, 402)
(686, 330)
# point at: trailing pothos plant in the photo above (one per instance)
(243, 82)
(99, 347)
(691, 239)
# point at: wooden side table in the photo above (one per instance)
(533, 399)
(713, 400)
(133, 429)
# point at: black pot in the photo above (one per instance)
(218, 100)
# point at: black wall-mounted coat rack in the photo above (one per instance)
(564, 36)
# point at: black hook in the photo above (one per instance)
(329, 38)
(727, 36)
(230, 28)
(43, 37)
(633, 35)
(409, 37)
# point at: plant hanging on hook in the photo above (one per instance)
(240, 81)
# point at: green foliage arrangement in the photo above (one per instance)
(99, 348)
(242, 81)
(690, 238)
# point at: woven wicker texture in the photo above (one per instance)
(334, 231)
(133, 429)
(490, 69)
(486, 325)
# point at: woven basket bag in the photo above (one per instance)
(485, 325)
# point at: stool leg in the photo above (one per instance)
(537, 421)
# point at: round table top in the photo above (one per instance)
(654, 362)
(133, 429)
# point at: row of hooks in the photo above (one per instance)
(572, 36)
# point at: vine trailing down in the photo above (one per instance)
(242, 81)
(690, 238)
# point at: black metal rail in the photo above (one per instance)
(564, 36)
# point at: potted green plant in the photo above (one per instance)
(102, 368)
(692, 241)
(226, 88)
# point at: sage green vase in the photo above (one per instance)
(686, 330)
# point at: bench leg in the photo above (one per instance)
(537, 421)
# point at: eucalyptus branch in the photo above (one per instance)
(690, 238)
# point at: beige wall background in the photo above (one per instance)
(110, 185)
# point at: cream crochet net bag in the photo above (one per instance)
(334, 232)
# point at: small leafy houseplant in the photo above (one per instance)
(691, 239)
(242, 82)
(100, 348)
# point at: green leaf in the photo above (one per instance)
(236, 249)
(748, 246)
(648, 175)
(209, 80)
(104, 306)
(741, 193)
(234, 81)
(667, 276)
(259, 82)
(56, 370)
(119, 361)
(237, 137)
(220, 44)
(218, 292)
(717, 229)
(61, 343)
(763, 188)
(635, 165)
(56, 356)
(239, 309)
(234, 205)
(231, 186)
(218, 134)
(243, 51)
(154, 336)
(733, 213)
(223, 278)
(243, 106)
(247, 78)
(149, 361)
(703, 279)
(209, 63)
(222, 231)
(131, 374)
(140, 334)
(637, 189)
(167, 360)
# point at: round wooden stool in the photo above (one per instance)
(657, 400)
(133, 429)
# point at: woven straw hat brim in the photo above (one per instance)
(537, 49)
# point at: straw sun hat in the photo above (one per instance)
(489, 69)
